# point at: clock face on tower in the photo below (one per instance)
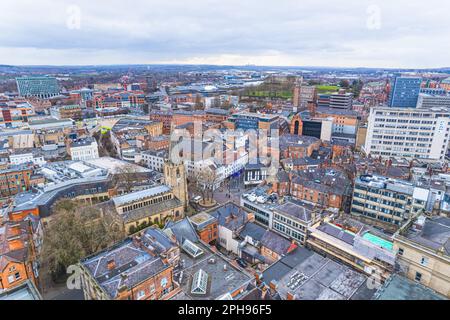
(164, 282)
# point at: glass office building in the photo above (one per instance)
(42, 87)
(404, 92)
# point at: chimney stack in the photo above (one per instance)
(263, 292)
(290, 296)
(111, 265)
(273, 286)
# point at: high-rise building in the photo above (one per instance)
(42, 87)
(434, 91)
(409, 133)
(404, 92)
(303, 95)
(14, 115)
(433, 101)
(339, 100)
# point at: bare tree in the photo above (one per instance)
(207, 181)
(125, 178)
(198, 102)
(74, 233)
(216, 103)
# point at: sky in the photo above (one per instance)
(338, 33)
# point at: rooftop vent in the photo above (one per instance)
(199, 283)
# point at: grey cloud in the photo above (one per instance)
(175, 30)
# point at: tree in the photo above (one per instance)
(344, 84)
(146, 108)
(198, 102)
(74, 233)
(206, 180)
(357, 86)
(126, 177)
(106, 147)
(216, 103)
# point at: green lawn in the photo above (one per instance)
(268, 94)
(326, 89)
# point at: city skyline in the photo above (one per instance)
(221, 155)
(373, 34)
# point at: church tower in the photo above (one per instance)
(175, 177)
(296, 125)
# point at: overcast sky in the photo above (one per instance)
(341, 33)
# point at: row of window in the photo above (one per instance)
(288, 231)
(378, 191)
(375, 216)
(146, 203)
(415, 115)
(288, 221)
(376, 208)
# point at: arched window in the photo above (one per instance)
(296, 127)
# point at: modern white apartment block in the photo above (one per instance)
(411, 133)
(26, 157)
(83, 150)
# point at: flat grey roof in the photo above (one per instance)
(310, 276)
(435, 234)
(25, 291)
(220, 281)
(401, 288)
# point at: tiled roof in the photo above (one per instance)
(275, 242)
(151, 210)
(132, 266)
(230, 216)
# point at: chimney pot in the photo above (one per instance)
(273, 285)
(111, 264)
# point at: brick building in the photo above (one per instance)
(163, 116)
(15, 179)
(17, 255)
(138, 268)
(206, 227)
